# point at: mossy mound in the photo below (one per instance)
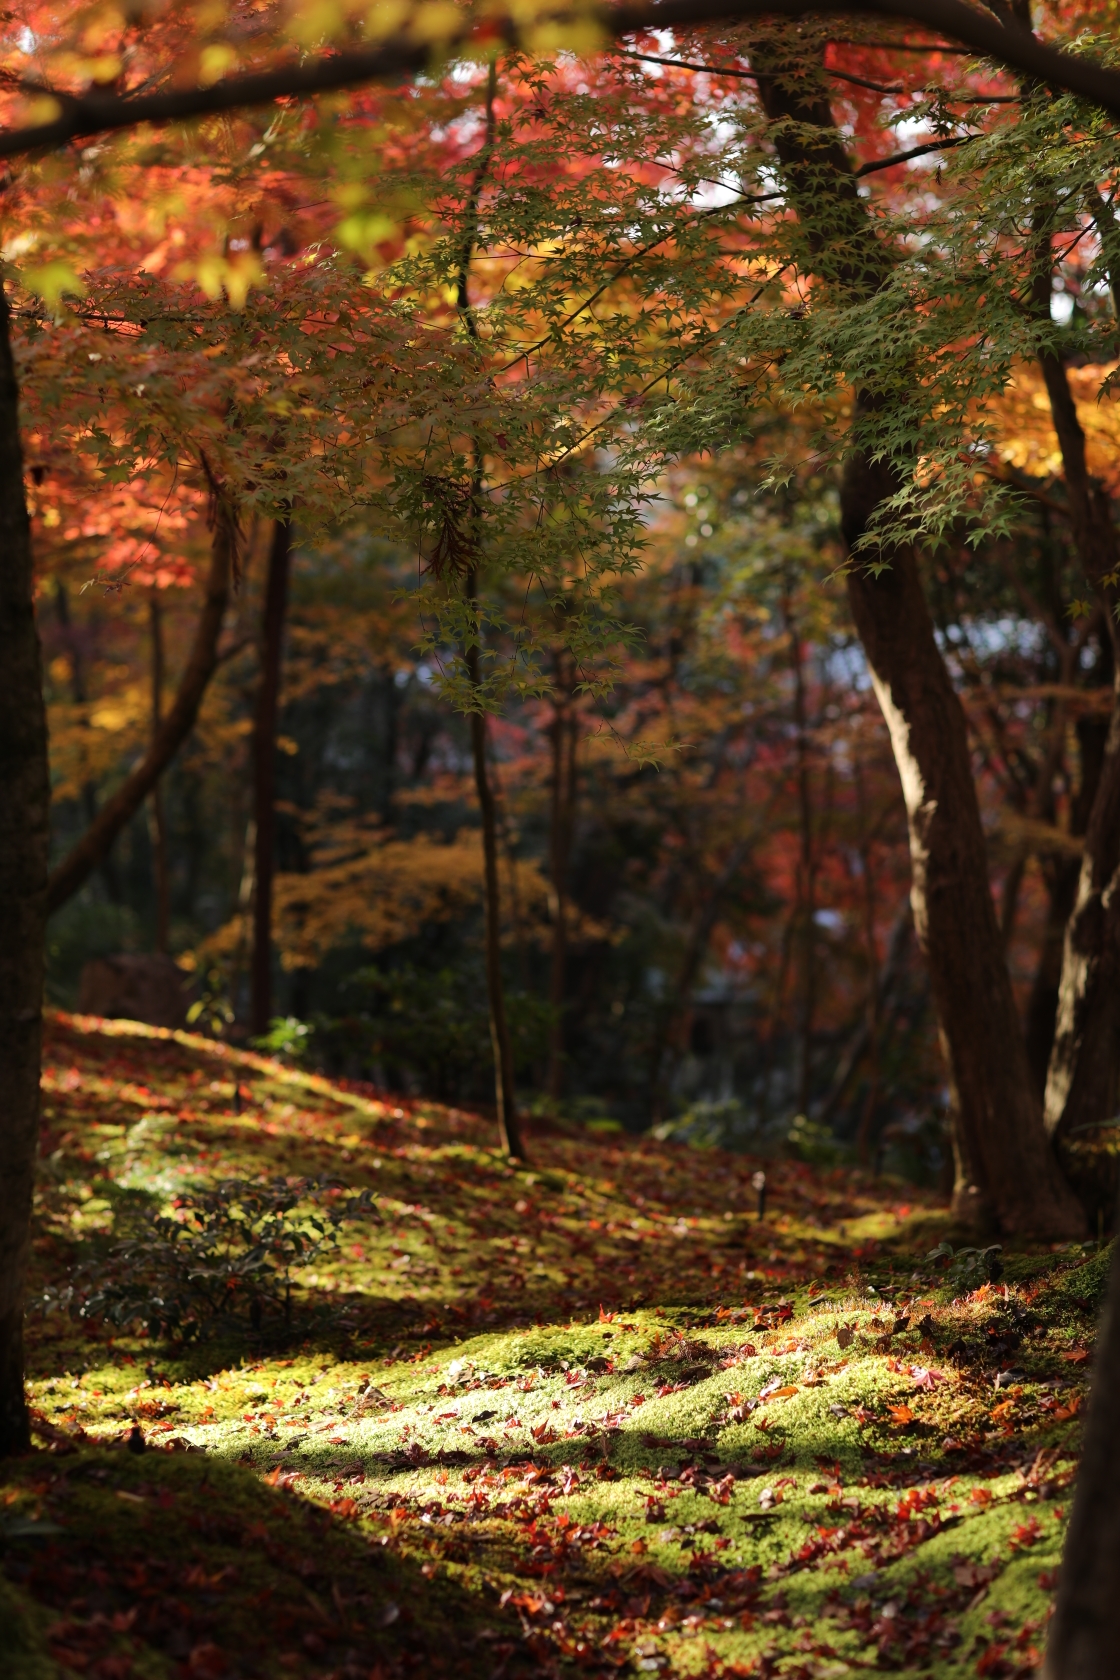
(587, 1416)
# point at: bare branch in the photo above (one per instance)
(99, 112)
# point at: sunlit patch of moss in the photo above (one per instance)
(774, 1437)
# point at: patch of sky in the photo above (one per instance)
(993, 636)
(845, 666)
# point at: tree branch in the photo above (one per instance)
(173, 731)
(914, 152)
(98, 112)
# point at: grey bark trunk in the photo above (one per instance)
(24, 850)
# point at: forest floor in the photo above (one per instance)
(591, 1416)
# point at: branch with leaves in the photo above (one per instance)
(92, 112)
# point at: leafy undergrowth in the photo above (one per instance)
(591, 1416)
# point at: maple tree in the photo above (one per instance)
(475, 419)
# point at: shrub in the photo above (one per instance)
(214, 1255)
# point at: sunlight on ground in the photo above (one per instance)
(590, 1413)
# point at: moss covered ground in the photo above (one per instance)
(590, 1416)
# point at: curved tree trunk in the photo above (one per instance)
(1006, 1173)
(173, 730)
(24, 851)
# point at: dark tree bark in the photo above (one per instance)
(1083, 1077)
(24, 850)
(264, 755)
(806, 867)
(866, 1037)
(1061, 874)
(173, 731)
(1006, 1172)
(564, 732)
(509, 1130)
(158, 827)
(673, 1019)
(874, 983)
(1085, 1632)
(72, 644)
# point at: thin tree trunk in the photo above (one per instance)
(1084, 1635)
(78, 691)
(1061, 875)
(564, 735)
(861, 1039)
(806, 871)
(157, 827)
(24, 851)
(509, 1130)
(669, 1046)
(1083, 1077)
(867, 1118)
(1006, 1173)
(264, 755)
(176, 726)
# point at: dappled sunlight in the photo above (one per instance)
(602, 1413)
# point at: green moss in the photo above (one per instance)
(531, 1416)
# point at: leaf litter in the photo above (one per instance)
(507, 1422)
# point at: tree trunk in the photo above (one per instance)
(1006, 1173)
(1083, 1077)
(564, 737)
(157, 828)
(264, 754)
(867, 1118)
(24, 851)
(78, 691)
(1085, 1631)
(176, 726)
(509, 1130)
(864, 1038)
(806, 872)
(672, 1022)
(1061, 874)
